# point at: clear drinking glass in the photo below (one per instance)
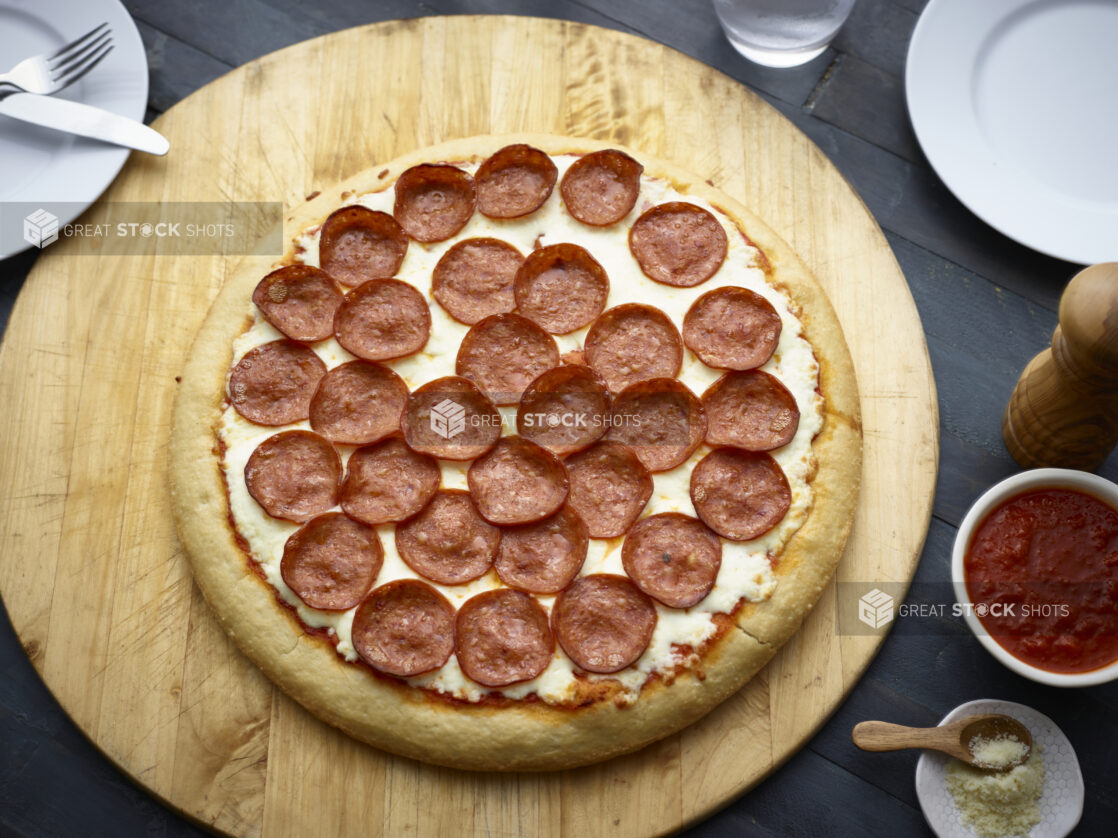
(781, 33)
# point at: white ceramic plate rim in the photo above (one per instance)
(931, 767)
(1034, 478)
(949, 40)
(82, 168)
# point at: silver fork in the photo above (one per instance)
(45, 74)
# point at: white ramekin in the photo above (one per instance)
(1058, 478)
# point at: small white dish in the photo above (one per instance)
(1061, 802)
(42, 166)
(1038, 478)
(1012, 102)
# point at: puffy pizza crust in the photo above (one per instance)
(522, 735)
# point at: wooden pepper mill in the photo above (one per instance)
(1064, 410)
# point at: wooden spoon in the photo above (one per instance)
(954, 738)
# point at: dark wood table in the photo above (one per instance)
(987, 304)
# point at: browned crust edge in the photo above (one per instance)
(530, 735)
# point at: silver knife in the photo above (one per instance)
(84, 120)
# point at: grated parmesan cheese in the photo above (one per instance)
(998, 805)
(998, 752)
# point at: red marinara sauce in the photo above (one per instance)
(1045, 565)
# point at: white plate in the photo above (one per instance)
(1014, 104)
(1061, 801)
(41, 165)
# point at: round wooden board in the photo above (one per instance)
(90, 569)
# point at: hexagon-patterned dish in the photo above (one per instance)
(1061, 802)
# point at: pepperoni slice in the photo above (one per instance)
(358, 244)
(565, 410)
(433, 202)
(332, 562)
(673, 558)
(294, 475)
(543, 557)
(503, 354)
(388, 482)
(273, 383)
(383, 319)
(573, 356)
(661, 420)
(561, 288)
(609, 488)
(448, 542)
(603, 622)
(358, 402)
(517, 482)
(678, 244)
(514, 182)
(741, 495)
(300, 301)
(502, 637)
(474, 279)
(601, 188)
(732, 328)
(631, 343)
(452, 419)
(404, 628)
(750, 410)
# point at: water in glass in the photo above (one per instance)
(781, 33)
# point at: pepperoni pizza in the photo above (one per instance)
(529, 452)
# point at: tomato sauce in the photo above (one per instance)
(1045, 566)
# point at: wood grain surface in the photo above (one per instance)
(90, 571)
